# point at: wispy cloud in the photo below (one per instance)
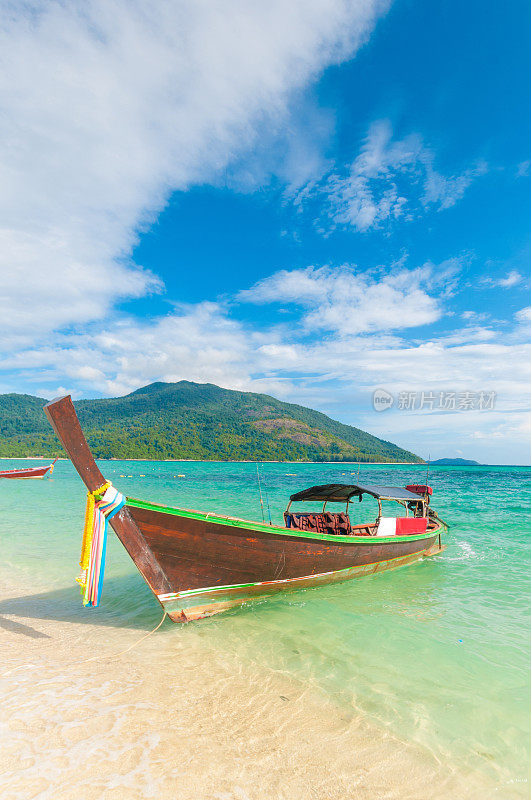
(330, 352)
(108, 107)
(524, 315)
(389, 179)
(475, 316)
(349, 301)
(199, 342)
(513, 278)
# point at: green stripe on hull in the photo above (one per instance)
(193, 604)
(274, 530)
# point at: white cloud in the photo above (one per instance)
(389, 179)
(109, 106)
(524, 315)
(199, 343)
(336, 372)
(513, 278)
(348, 301)
(475, 316)
(468, 335)
(523, 169)
(496, 434)
(488, 437)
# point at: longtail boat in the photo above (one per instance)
(198, 564)
(28, 472)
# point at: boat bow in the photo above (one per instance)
(63, 418)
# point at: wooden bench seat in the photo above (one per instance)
(324, 522)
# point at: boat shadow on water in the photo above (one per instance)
(129, 605)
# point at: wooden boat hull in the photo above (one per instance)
(215, 563)
(196, 604)
(28, 473)
(202, 564)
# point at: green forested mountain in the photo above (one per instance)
(191, 420)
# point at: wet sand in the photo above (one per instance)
(177, 718)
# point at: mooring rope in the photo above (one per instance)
(94, 658)
(127, 649)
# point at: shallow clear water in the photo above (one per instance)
(436, 652)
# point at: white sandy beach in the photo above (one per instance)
(177, 719)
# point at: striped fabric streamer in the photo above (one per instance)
(100, 508)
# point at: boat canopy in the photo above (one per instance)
(341, 492)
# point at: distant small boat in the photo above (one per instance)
(199, 564)
(28, 472)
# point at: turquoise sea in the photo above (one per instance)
(436, 653)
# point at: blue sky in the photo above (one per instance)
(314, 201)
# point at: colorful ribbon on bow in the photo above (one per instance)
(102, 504)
